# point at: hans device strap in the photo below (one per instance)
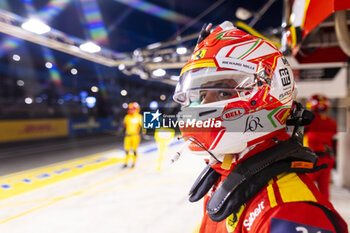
(204, 182)
(250, 176)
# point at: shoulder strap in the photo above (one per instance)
(250, 176)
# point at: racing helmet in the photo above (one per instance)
(318, 103)
(133, 107)
(240, 85)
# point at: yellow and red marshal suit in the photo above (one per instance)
(132, 124)
(319, 137)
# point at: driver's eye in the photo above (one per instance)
(227, 94)
(216, 95)
(224, 94)
(203, 95)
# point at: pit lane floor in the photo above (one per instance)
(93, 193)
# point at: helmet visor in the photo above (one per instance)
(202, 86)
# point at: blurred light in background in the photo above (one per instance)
(74, 71)
(94, 21)
(153, 105)
(68, 97)
(16, 57)
(123, 92)
(157, 59)
(38, 100)
(175, 78)
(90, 47)
(94, 89)
(125, 105)
(48, 65)
(36, 26)
(60, 101)
(121, 67)
(243, 14)
(28, 100)
(162, 97)
(137, 52)
(181, 50)
(90, 101)
(157, 11)
(83, 94)
(154, 45)
(54, 72)
(159, 72)
(20, 83)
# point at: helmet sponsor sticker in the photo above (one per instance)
(285, 61)
(233, 114)
(286, 81)
(285, 226)
(285, 94)
(236, 64)
(199, 54)
(252, 124)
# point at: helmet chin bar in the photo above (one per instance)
(198, 143)
(219, 158)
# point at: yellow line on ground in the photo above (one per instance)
(30, 210)
(40, 200)
(77, 160)
(81, 192)
(68, 170)
(76, 193)
(104, 181)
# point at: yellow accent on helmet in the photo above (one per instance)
(198, 64)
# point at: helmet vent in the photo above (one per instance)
(207, 112)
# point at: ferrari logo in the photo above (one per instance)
(199, 54)
(232, 220)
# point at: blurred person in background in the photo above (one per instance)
(163, 137)
(132, 124)
(255, 178)
(319, 136)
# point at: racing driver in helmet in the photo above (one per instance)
(255, 179)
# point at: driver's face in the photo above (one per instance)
(227, 92)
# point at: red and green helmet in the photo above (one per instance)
(243, 82)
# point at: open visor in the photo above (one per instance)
(195, 84)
